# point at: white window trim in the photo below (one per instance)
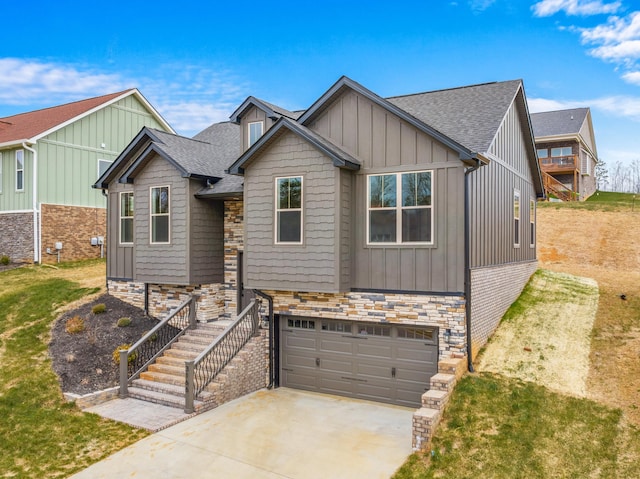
(532, 222)
(516, 194)
(399, 209)
(19, 169)
(124, 217)
(151, 215)
(277, 210)
(261, 123)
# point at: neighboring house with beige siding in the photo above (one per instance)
(388, 236)
(49, 159)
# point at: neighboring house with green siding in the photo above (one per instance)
(49, 159)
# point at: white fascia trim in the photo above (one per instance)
(13, 212)
(16, 143)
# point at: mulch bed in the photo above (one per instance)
(84, 361)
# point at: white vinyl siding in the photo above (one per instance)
(126, 218)
(400, 208)
(159, 215)
(288, 210)
(20, 170)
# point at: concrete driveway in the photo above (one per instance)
(281, 433)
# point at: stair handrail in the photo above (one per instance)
(207, 365)
(555, 186)
(138, 357)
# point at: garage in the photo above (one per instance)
(375, 361)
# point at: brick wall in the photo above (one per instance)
(445, 312)
(16, 236)
(74, 226)
(493, 290)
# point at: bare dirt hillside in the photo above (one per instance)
(605, 246)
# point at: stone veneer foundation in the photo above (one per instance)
(16, 236)
(445, 312)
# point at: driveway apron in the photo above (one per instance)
(280, 433)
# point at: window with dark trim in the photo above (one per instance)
(289, 210)
(126, 218)
(19, 170)
(255, 130)
(516, 218)
(532, 222)
(159, 214)
(400, 208)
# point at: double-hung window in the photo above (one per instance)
(289, 210)
(532, 223)
(159, 213)
(255, 131)
(20, 170)
(400, 208)
(516, 218)
(126, 218)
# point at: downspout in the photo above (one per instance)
(467, 257)
(272, 376)
(34, 196)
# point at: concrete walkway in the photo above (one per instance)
(282, 433)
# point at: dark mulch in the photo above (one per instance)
(84, 361)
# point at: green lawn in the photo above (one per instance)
(41, 435)
(601, 201)
(495, 427)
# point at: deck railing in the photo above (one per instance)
(559, 163)
(204, 368)
(554, 187)
(138, 357)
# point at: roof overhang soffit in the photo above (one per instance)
(340, 158)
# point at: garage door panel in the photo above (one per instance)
(332, 365)
(299, 360)
(375, 392)
(302, 342)
(302, 381)
(421, 353)
(336, 385)
(374, 350)
(373, 371)
(336, 345)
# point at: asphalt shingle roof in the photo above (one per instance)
(561, 122)
(31, 124)
(470, 115)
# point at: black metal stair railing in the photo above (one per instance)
(138, 357)
(204, 368)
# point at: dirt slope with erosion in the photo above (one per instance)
(605, 246)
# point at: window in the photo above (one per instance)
(255, 132)
(126, 218)
(160, 214)
(20, 170)
(543, 153)
(532, 222)
(103, 165)
(399, 208)
(374, 330)
(289, 210)
(301, 323)
(336, 326)
(516, 218)
(561, 151)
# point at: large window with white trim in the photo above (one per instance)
(19, 170)
(159, 214)
(289, 210)
(400, 208)
(255, 130)
(103, 165)
(516, 218)
(126, 218)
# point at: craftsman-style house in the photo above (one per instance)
(48, 161)
(386, 236)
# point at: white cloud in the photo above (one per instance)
(546, 8)
(480, 5)
(617, 105)
(189, 97)
(632, 77)
(537, 105)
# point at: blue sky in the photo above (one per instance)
(197, 61)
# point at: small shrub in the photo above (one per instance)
(74, 325)
(116, 354)
(5, 260)
(99, 308)
(153, 338)
(124, 322)
(70, 358)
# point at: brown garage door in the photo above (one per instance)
(379, 362)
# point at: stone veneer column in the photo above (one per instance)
(16, 236)
(233, 243)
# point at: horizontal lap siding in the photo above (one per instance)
(307, 267)
(206, 239)
(161, 263)
(385, 143)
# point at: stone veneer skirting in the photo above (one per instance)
(493, 290)
(16, 236)
(163, 298)
(445, 312)
(73, 226)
